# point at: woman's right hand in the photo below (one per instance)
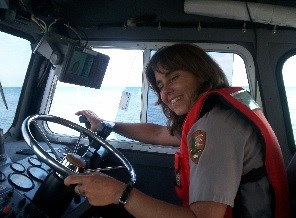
(92, 118)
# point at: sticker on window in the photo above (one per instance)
(124, 101)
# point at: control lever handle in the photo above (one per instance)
(82, 119)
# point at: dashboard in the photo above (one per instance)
(29, 188)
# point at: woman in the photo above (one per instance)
(220, 146)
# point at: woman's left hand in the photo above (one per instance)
(98, 188)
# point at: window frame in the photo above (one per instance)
(284, 100)
(25, 59)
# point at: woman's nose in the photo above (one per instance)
(167, 88)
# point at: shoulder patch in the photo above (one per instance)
(197, 145)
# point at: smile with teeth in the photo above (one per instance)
(173, 101)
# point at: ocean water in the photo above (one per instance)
(64, 106)
(12, 95)
(104, 102)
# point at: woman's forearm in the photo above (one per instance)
(142, 206)
(146, 133)
(143, 132)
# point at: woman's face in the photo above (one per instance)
(178, 89)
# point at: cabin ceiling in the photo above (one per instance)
(112, 13)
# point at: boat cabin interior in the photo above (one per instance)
(61, 56)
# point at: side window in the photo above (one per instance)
(232, 65)
(289, 78)
(15, 55)
(118, 99)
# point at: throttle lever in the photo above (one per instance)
(82, 119)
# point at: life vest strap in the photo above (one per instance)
(254, 175)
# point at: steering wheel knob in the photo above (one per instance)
(76, 161)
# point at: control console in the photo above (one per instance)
(29, 188)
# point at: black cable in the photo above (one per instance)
(255, 45)
(86, 37)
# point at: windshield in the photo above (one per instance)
(118, 99)
(15, 54)
(124, 96)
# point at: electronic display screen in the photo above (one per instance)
(85, 67)
(80, 64)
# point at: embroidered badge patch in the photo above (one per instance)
(197, 145)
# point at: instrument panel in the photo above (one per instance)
(29, 188)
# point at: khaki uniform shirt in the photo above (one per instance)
(230, 149)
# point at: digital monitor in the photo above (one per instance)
(83, 66)
(73, 63)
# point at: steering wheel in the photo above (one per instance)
(57, 164)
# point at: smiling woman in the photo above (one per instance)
(212, 121)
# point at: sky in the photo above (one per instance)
(12, 74)
(18, 51)
(15, 55)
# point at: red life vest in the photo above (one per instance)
(241, 101)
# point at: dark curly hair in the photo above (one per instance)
(187, 57)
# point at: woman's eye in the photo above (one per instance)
(174, 77)
(160, 87)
